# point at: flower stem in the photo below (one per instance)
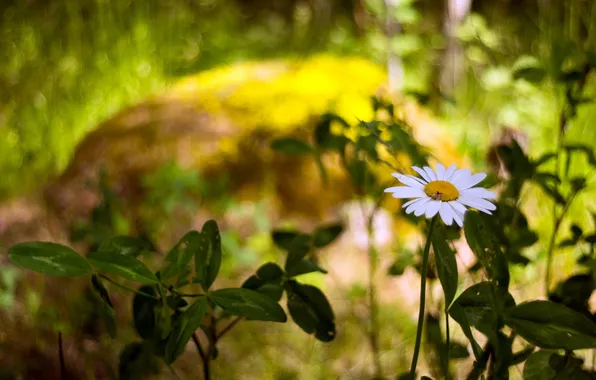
(422, 298)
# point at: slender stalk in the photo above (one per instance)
(204, 357)
(228, 327)
(126, 287)
(422, 298)
(447, 344)
(61, 357)
(372, 294)
(551, 244)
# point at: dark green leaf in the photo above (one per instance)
(325, 139)
(590, 239)
(125, 266)
(291, 146)
(180, 255)
(478, 305)
(325, 235)
(550, 325)
(304, 266)
(49, 258)
(522, 356)
(284, 238)
(270, 272)
(458, 351)
(298, 248)
(125, 245)
(479, 230)
(208, 256)
(311, 311)
(446, 266)
(143, 311)
(272, 290)
(404, 260)
(107, 309)
(533, 75)
(186, 324)
(249, 304)
(538, 367)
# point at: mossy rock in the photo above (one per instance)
(223, 121)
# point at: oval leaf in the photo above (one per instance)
(249, 304)
(446, 266)
(208, 255)
(121, 265)
(291, 146)
(50, 259)
(180, 255)
(311, 311)
(551, 325)
(143, 312)
(125, 245)
(325, 235)
(186, 324)
(479, 233)
(270, 272)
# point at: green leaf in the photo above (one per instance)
(583, 148)
(107, 308)
(458, 351)
(533, 75)
(291, 146)
(249, 304)
(271, 290)
(446, 266)
(311, 311)
(538, 366)
(478, 305)
(181, 254)
(144, 313)
(184, 327)
(304, 266)
(125, 245)
(49, 258)
(325, 139)
(208, 255)
(550, 325)
(270, 272)
(479, 230)
(325, 235)
(434, 339)
(404, 260)
(522, 356)
(125, 266)
(546, 157)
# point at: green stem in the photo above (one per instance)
(447, 344)
(422, 298)
(126, 287)
(204, 356)
(551, 244)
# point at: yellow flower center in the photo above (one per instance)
(441, 191)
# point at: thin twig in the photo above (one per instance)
(204, 357)
(228, 328)
(127, 288)
(422, 298)
(61, 357)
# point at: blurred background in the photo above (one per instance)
(148, 117)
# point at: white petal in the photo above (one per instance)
(440, 172)
(446, 213)
(459, 218)
(408, 180)
(477, 203)
(431, 174)
(458, 207)
(410, 202)
(479, 192)
(422, 173)
(432, 208)
(459, 175)
(450, 171)
(416, 205)
(471, 181)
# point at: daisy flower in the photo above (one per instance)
(444, 191)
